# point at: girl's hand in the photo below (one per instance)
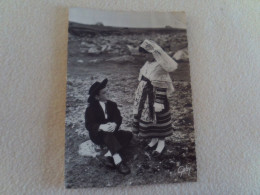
(158, 107)
(147, 45)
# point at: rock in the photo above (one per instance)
(83, 43)
(88, 148)
(182, 55)
(156, 169)
(83, 50)
(95, 60)
(99, 24)
(69, 83)
(133, 50)
(139, 171)
(169, 164)
(103, 48)
(106, 48)
(80, 61)
(93, 50)
(120, 59)
(145, 165)
(168, 27)
(188, 105)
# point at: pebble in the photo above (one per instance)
(80, 61)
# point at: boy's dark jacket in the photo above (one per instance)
(94, 117)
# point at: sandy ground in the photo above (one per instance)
(178, 163)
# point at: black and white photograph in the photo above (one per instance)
(129, 115)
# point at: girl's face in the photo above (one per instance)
(149, 57)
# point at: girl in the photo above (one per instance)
(152, 116)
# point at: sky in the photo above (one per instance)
(128, 19)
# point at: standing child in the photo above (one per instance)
(152, 116)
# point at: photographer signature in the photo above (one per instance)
(184, 170)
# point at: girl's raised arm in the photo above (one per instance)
(167, 63)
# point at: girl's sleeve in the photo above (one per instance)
(141, 72)
(140, 76)
(166, 62)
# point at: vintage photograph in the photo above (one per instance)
(129, 115)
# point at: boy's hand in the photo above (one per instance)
(108, 127)
(112, 126)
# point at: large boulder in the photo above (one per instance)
(133, 50)
(88, 148)
(182, 55)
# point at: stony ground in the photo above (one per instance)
(178, 163)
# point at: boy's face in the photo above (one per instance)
(103, 95)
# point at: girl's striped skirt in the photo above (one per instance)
(147, 122)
